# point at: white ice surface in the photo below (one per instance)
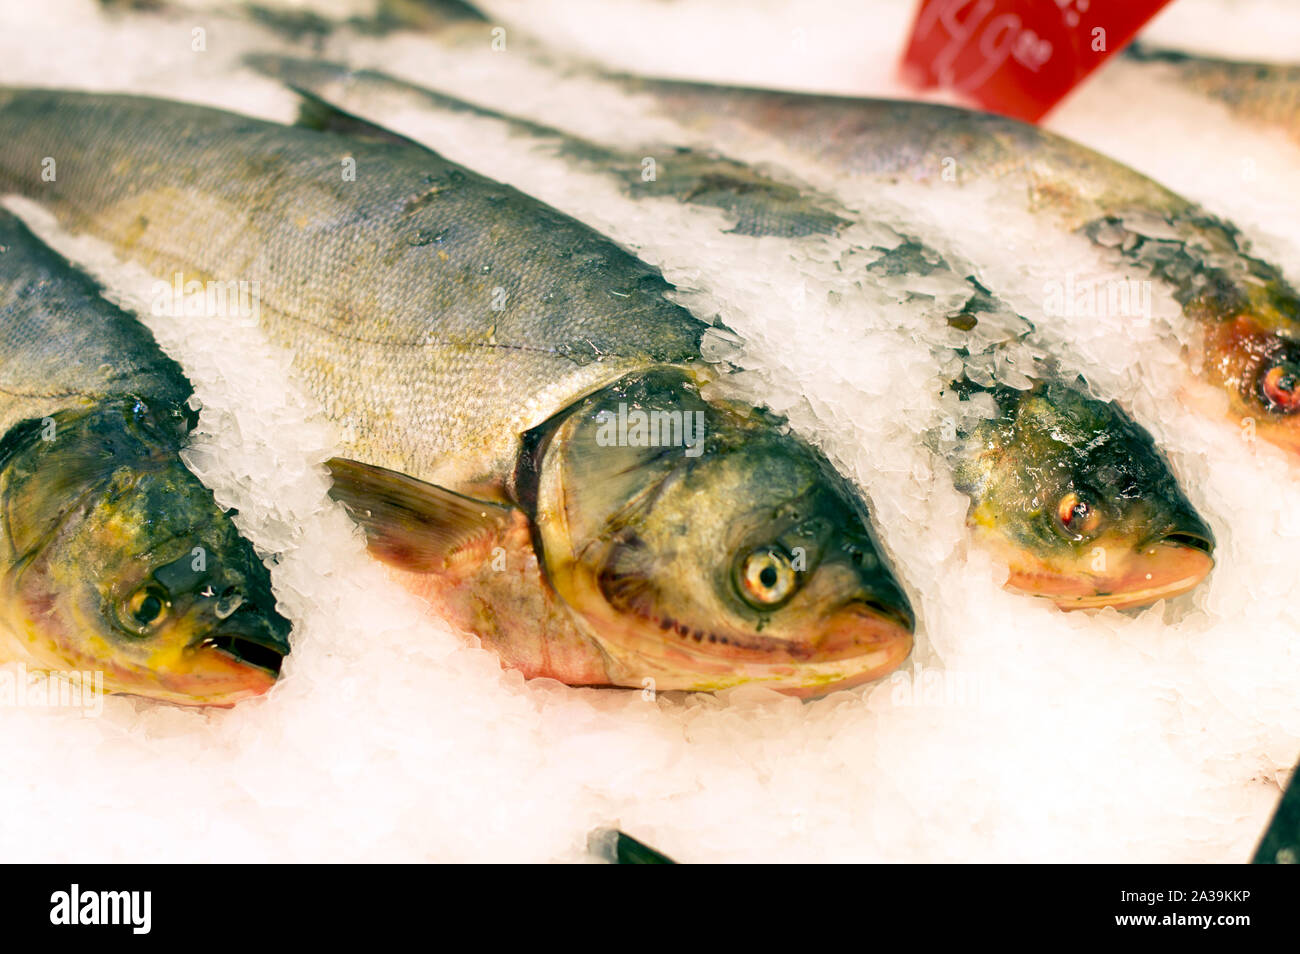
(1017, 733)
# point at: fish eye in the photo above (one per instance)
(1280, 387)
(145, 609)
(1076, 516)
(767, 577)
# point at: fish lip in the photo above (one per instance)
(255, 682)
(884, 625)
(1132, 599)
(900, 613)
(261, 651)
(1187, 530)
(855, 644)
(858, 627)
(1195, 541)
(1189, 564)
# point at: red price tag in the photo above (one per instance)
(1018, 57)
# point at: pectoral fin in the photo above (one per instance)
(415, 525)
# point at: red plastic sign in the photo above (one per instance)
(1018, 57)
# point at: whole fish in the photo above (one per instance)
(1267, 94)
(531, 432)
(1066, 489)
(114, 558)
(1247, 313)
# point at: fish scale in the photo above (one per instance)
(52, 358)
(576, 312)
(473, 346)
(1010, 409)
(1246, 312)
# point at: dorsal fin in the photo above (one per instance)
(322, 116)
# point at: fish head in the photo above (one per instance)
(130, 568)
(1080, 503)
(1259, 368)
(734, 555)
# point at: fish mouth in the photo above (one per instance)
(1191, 540)
(249, 638)
(223, 669)
(217, 671)
(240, 661)
(863, 627)
(860, 642)
(1170, 566)
(249, 651)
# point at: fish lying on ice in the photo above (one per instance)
(531, 432)
(1055, 476)
(1071, 493)
(1267, 94)
(114, 558)
(1246, 356)
(756, 203)
(1247, 313)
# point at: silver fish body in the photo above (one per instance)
(1016, 465)
(470, 342)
